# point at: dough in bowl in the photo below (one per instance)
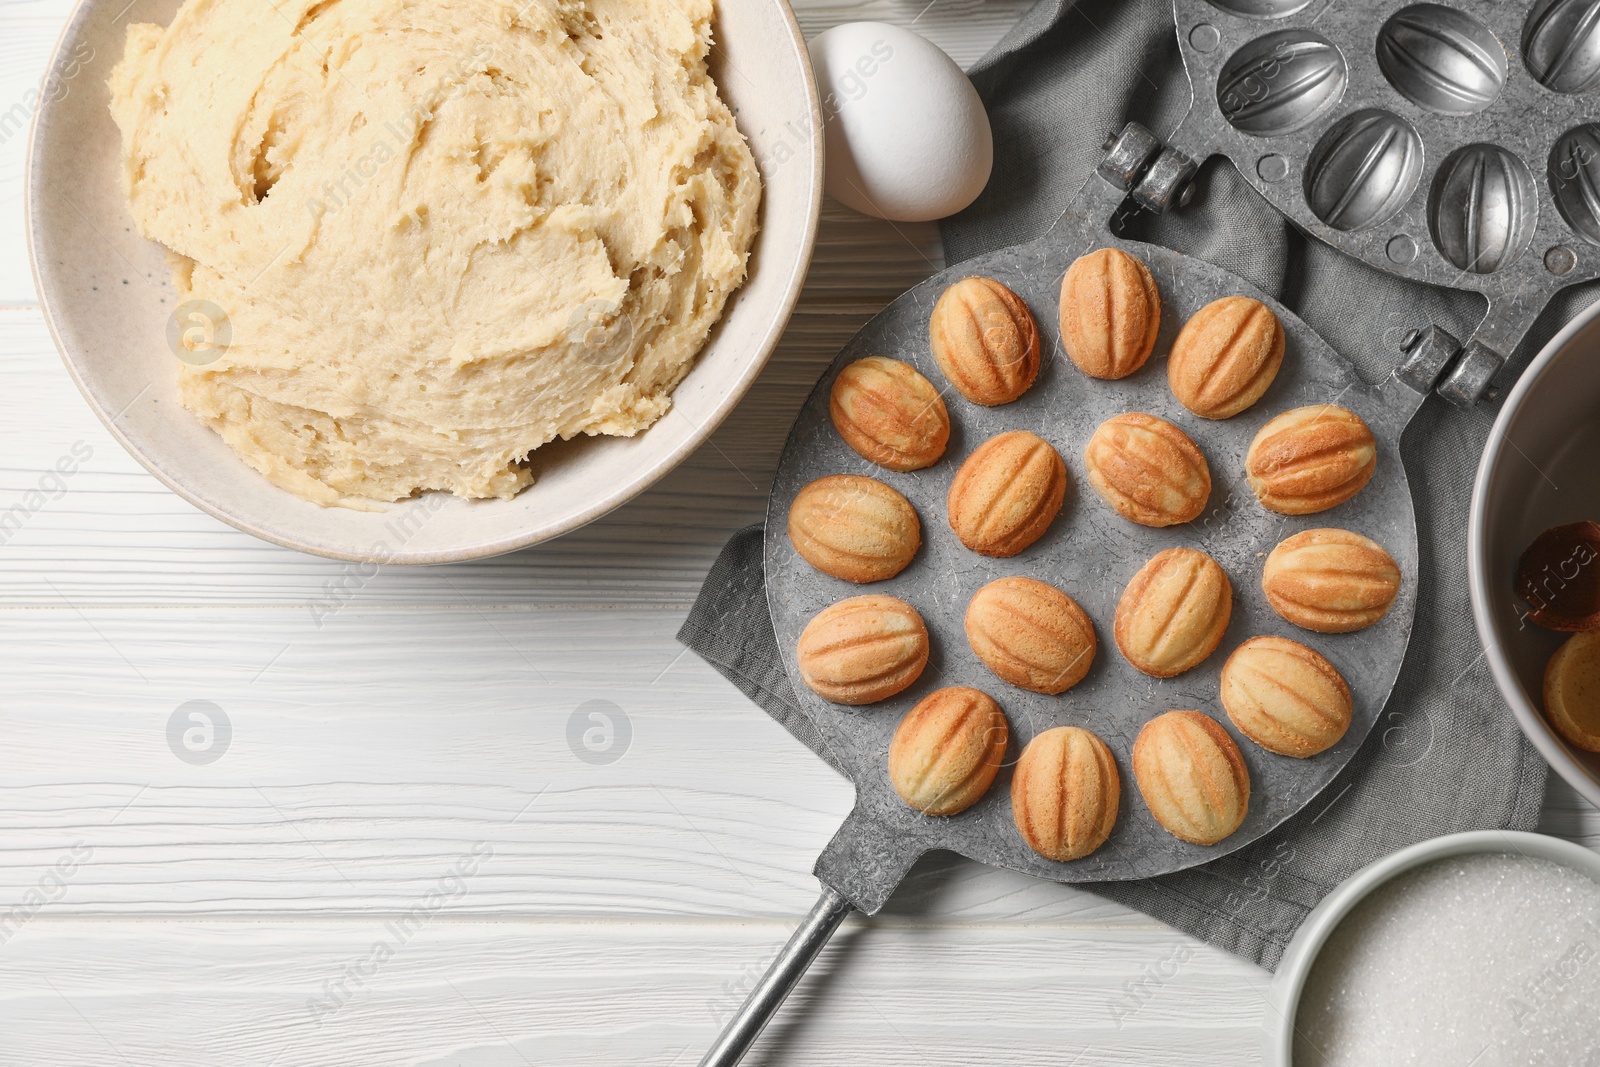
(415, 241)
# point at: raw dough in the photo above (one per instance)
(442, 234)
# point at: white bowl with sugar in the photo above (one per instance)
(1478, 948)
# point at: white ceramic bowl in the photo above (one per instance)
(1540, 468)
(1283, 998)
(107, 297)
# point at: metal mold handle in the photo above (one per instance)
(782, 976)
(859, 870)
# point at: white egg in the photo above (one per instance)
(907, 136)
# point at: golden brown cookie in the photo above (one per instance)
(985, 340)
(1311, 459)
(947, 749)
(854, 527)
(1174, 612)
(1110, 313)
(1225, 357)
(862, 650)
(1007, 493)
(1330, 581)
(1285, 697)
(1148, 470)
(1192, 776)
(1572, 691)
(1031, 634)
(891, 414)
(1065, 793)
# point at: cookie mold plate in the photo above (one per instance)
(1448, 144)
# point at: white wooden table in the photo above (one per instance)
(399, 857)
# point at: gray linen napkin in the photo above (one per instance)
(1446, 754)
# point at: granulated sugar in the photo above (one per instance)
(1486, 960)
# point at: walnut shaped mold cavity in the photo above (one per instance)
(1441, 59)
(1482, 208)
(1280, 82)
(1574, 174)
(1363, 169)
(1561, 44)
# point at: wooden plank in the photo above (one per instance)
(509, 993)
(29, 33)
(348, 780)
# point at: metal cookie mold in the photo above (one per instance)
(1561, 44)
(1398, 171)
(1482, 208)
(1280, 82)
(1574, 173)
(1088, 553)
(1441, 59)
(1363, 169)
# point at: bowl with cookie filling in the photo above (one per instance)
(1534, 552)
(418, 284)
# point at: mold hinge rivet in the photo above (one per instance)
(1168, 183)
(1468, 381)
(1128, 153)
(1428, 351)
